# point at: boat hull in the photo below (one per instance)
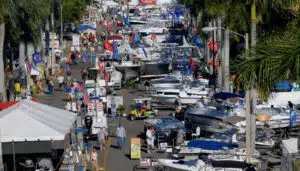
(129, 73)
(210, 124)
(154, 68)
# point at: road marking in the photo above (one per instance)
(106, 153)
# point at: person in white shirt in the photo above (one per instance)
(60, 80)
(74, 106)
(150, 139)
(121, 135)
(68, 106)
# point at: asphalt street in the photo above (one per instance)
(112, 159)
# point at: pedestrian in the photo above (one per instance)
(178, 104)
(150, 139)
(121, 135)
(101, 138)
(83, 73)
(68, 106)
(60, 80)
(69, 75)
(74, 105)
(94, 159)
(73, 58)
(17, 91)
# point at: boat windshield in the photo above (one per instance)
(269, 111)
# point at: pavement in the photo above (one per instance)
(112, 159)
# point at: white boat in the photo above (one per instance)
(169, 82)
(191, 97)
(165, 96)
(199, 165)
(130, 69)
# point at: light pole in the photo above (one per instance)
(249, 123)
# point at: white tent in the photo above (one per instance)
(32, 121)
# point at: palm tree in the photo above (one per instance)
(7, 13)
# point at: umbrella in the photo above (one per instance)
(226, 95)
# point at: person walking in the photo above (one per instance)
(101, 138)
(121, 135)
(150, 139)
(69, 76)
(83, 73)
(94, 157)
(60, 80)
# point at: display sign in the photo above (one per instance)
(146, 162)
(92, 106)
(147, 2)
(114, 102)
(75, 40)
(135, 148)
(68, 164)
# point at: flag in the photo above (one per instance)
(198, 42)
(108, 46)
(192, 63)
(85, 97)
(136, 38)
(126, 22)
(115, 52)
(36, 58)
(213, 46)
(215, 64)
(28, 67)
(86, 56)
(104, 74)
(144, 51)
(100, 67)
(114, 11)
(132, 37)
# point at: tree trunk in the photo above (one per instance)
(3, 96)
(220, 57)
(226, 58)
(22, 62)
(251, 98)
(30, 51)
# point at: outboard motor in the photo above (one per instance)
(88, 122)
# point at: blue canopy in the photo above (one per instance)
(227, 95)
(210, 145)
(85, 27)
(283, 86)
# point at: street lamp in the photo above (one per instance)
(209, 29)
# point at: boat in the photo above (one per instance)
(165, 96)
(201, 165)
(209, 119)
(190, 165)
(189, 96)
(208, 144)
(168, 82)
(130, 69)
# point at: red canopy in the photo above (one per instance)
(5, 105)
(116, 37)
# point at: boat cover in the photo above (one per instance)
(210, 145)
(186, 162)
(226, 95)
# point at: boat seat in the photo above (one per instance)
(197, 133)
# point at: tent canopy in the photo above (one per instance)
(33, 121)
(84, 28)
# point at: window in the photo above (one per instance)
(171, 93)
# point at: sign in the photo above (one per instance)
(115, 101)
(92, 108)
(68, 164)
(147, 2)
(75, 40)
(146, 162)
(135, 148)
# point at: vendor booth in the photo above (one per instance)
(31, 127)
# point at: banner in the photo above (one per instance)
(92, 108)
(75, 40)
(135, 148)
(147, 2)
